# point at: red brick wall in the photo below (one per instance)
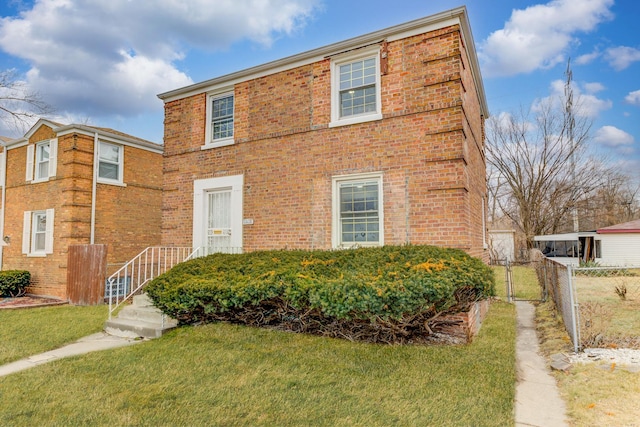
(465, 325)
(428, 148)
(127, 218)
(47, 273)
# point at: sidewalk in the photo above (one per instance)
(95, 342)
(538, 401)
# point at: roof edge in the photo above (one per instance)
(291, 61)
(66, 129)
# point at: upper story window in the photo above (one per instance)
(110, 163)
(41, 160)
(355, 87)
(357, 211)
(358, 87)
(222, 118)
(220, 114)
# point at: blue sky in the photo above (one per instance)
(103, 62)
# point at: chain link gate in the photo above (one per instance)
(515, 293)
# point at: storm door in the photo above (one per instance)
(218, 220)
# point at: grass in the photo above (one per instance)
(601, 397)
(605, 312)
(25, 332)
(221, 374)
(525, 283)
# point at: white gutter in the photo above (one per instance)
(3, 167)
(94, 185)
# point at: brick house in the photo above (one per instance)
(374, 140)
(59, 190)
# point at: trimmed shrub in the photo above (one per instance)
(13, 283)
(387, 294)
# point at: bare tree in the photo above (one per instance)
(540, 161)
(19, 105)
(616, 201)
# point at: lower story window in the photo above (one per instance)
(37, 235)
(358, 210)
(38, 231)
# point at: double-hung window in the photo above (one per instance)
(41, 160)
(355, 88)
(37, 235)
(220, 113)
(38, 231)
(110, 163)
(357, 211)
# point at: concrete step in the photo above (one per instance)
(140, 319)
(128, 328)
(145, 314)
(142, 300)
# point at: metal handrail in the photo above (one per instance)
(147, 265)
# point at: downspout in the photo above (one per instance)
(3, 168)
(94, 185)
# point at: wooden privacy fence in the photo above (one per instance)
(86, 272)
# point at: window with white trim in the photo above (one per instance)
(357, 211)
(355, 87)
(41, 160)
(220, 119)
(110, 162)
(37, 234)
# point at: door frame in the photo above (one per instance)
(203, 186)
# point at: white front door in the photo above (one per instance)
(217, 214)
(218, 220)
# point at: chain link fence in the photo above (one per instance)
(599, 306)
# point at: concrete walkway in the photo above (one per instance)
(95, 342)
(538, 401)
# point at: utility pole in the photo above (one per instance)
(571, 124)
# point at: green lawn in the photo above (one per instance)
(222, 374)
(25, 332)
(525, 282)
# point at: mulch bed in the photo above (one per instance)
(28, 301)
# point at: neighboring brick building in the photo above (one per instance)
(58, 191)
(374, 140)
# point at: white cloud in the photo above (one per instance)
(611, 136)
(594, 87)
(587, 58)
(585, 104)
(536, 37)
(633, 98)
(621, 57)
(114, 57)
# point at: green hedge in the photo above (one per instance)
(387, 283)
(13, 283)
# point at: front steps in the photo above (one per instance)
(140, 319)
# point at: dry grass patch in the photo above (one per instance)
(601, 397)
(608, 319)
